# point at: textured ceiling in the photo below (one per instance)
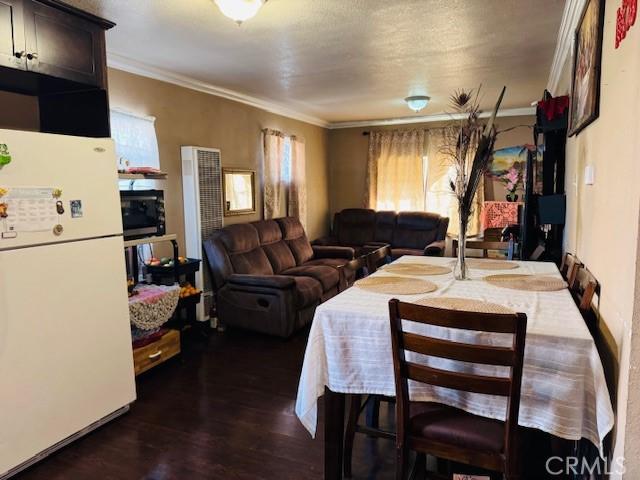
(346, 60)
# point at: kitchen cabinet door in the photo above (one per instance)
(12, 42)
(63, 45)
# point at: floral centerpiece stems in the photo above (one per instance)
(470, 149)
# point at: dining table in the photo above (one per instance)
(564, 391)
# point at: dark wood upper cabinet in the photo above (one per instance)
(57, 53)
(12, 41)
(63, 45)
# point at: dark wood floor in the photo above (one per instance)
(223, 410)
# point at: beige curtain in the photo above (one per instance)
(297, 185)
(440, 196)
(273, 157)
(395, 176)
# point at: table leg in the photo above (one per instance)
(334, 406)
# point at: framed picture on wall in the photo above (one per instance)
(587, 57)
(239, 191)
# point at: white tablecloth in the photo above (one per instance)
(563, 388)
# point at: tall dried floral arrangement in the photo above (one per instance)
(469, 146)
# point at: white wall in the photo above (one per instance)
(602, 219)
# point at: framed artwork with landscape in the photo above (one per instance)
(585, 85)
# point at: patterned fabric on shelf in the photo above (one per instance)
(499, 214)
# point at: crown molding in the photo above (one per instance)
(570, 17)
(120, 62)
(438, 117)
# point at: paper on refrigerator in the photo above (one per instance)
(30, 209)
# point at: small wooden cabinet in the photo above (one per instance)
(156, 352)
(63, 45)
(51, 38)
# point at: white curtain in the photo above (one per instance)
(136, 143)
(395, 176)
(273, 160)
(284, 174)
(297, 187)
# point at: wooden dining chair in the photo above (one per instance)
(583, 288)
(507, 248)
(569, 267)
(377, 258)
(441, 430)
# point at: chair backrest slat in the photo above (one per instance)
(569, 267)
(458, 381)
(584, 287)
(485, 246)
(487, 355)
(377, 257)
(486, 322)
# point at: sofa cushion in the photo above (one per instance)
(385, 224)
(308, 291)
(355, 226)
(415, 229)
(293, 234)
(276, 249)
(243, 247)
(326, 275)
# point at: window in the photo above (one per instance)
(286, 162)
(136, 144)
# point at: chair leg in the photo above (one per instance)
(419, 467)
(350, 433)
(373, 412)
(402, 463)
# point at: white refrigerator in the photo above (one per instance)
(66, 362)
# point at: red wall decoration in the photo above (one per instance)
(625, 18)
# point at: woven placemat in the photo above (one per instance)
(396, 285)
(416, 269)
(463, 304)
(537, 283)
(491, 264)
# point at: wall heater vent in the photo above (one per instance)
(202, 195)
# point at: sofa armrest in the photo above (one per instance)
(435, 249)
(281, 282)
(325, 241)
(321, 251)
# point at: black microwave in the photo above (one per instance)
(142, 213)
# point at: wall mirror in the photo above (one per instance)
(238, 187)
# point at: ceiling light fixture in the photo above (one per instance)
(240, 10)
(417, 102)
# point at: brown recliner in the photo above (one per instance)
(268, 278)
(407, 233)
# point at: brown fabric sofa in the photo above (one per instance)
(408, 233)
(269, 278)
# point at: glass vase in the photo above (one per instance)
(461, 270)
